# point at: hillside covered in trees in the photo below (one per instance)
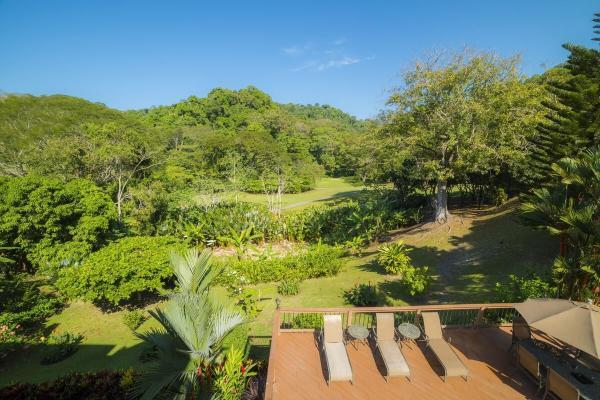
(117, 209)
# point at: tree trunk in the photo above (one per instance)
(120, 192)
(441, 203)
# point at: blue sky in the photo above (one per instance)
(134, 54)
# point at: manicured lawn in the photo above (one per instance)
(477, 249)
(327, 189)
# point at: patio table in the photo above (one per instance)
(408, 332)
(589, 391)
(357, 333)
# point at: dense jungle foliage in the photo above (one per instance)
(123, 208)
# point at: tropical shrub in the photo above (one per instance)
(370, 216)
(395, 260)
(60, 347)
(500, 197)
(314, 262)
(125, 268)
(306, 321)
(23, 303)
(288, 287)
(134, 318)
(356, 245)
(23, 309)
(248, 300)
(394, 257)
(362, 295)
(101, 385)
(416, 280)
(220, 223)
(231, 377)
(520, 288)
(51, 221)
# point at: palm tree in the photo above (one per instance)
(571, 210)
(193, 324)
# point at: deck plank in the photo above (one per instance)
(300, 371)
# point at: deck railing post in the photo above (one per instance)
(349, 319)
(479, 319)
(417, 315)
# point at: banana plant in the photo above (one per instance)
(242, 240)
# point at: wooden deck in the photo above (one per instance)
(298, 370)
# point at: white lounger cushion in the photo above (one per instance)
(339, 364)
(394, 359)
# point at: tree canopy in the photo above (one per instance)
(457, 116)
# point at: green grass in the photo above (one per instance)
(108, 343)
(326, 189)
(477, 249)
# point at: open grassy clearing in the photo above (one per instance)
(326, 189)
(470, 254)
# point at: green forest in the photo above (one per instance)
(174, 224)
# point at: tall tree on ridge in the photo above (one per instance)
(572, 122)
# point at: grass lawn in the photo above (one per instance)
(468, 255)
(326, 189)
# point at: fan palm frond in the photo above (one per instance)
(194, 271)
(194, 323)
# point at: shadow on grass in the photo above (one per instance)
(340, 196)
(25, 363)
(258, 347)
(466, 266)
(394, 290)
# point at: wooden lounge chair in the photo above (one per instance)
(334, 349)
(385, 337)
(528, 363)
(432, 329)
(559, 387)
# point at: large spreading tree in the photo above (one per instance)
(460, 115)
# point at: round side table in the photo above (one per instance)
(357, 333)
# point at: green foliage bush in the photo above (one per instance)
(520, 288)
(248, 299)
(214, 223)
(230, 378)
(362, 295)
(306, 321)
(416, 280)
(288, 287)
(395, 260)
(61, 347)
(23, 303)
(52, 222)
(500, 196)
(314, 262)
(23, 309)
(101, 385)
(134, 318)
(370, 217)
(127, 267)
(394, 257)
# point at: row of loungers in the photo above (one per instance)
(338, 363)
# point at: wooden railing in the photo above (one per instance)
(298, 319)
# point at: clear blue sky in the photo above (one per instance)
(134, 54)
